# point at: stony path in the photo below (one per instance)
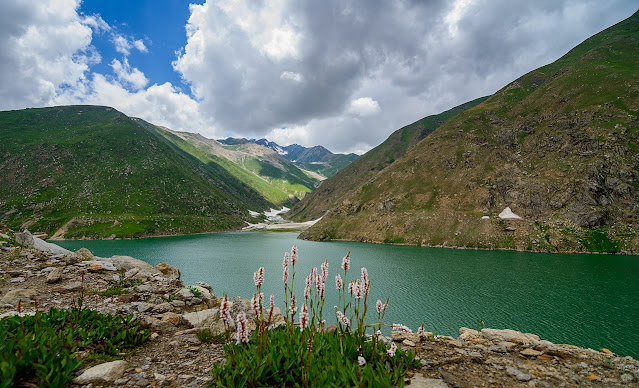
(175, 357)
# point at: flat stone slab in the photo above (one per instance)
(103, 373)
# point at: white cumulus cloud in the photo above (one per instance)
(297, 77)
(364, 106)
(123, 45)
(128, 75)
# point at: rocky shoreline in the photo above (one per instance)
(179, 355)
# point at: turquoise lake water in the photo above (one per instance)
(585, 300)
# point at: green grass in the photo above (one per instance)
(41, 349)
(273, 184)
(96, 163)
(597, 240)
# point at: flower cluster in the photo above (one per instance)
(401, 328)
(225, 311)
(242, 335)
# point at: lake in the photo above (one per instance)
(585, 300)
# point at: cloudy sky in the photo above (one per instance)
(340, 73)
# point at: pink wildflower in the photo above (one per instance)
(351, 288)
(258, 277)
(293, 308)
(272, 301)
(342, 318)
(304, 317)
(225, 313)
(256, 307)
(294, 255)
(307, 287)
(391, 351)
(324, 271)
(242, 335)
(338, 282)
(357, 290)
(346, 261)
(285, 267)
(322, 288)
(379, 306)
(361, 360)
(402, 328)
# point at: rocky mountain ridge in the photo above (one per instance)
(317, 158)
(558, 146)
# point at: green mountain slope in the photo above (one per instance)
(276, 179)
(346, 182)
(560, 146)
(92, 171)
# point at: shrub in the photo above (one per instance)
(41, 348)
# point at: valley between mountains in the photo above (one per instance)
(558, 146)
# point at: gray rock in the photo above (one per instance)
(27, 239)
(25, 294)
(519, 375)
(131, 273)
(177, 303)
(419, 381)
(162, 308)
(143, 288)
(103, 373)
(517, 337)
(205, 285)
(84, 254)
(55, 275)
(74, 286)
(168, 271)
(24, 238)
(142, 306)
(184, 294)
(107, 266)
(158, 325)
(204, 318)
(19, 279)
(127, 263)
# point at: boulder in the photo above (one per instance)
(466, 333)
(127, 263)
(99, 265)
(55, 275)
(162, 308)
(205, 285)
(103, 373)
(172, 318)
(400, 336)
(158, 325)
(84, 254)
(507, 335)
(169, 271)
(204, 318)
(26, 238)
(184, 294)
(25, 294)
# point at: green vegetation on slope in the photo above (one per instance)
(280, 182)
(97, 173)
(358, 173)
(558, 146)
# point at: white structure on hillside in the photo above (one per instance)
(508, 214)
